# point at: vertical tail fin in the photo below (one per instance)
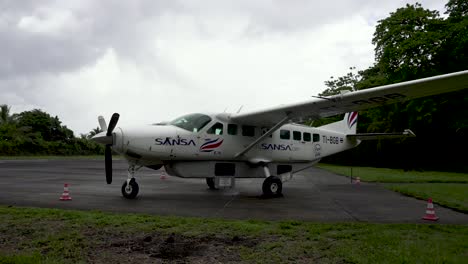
(351, 122)
(346, 126)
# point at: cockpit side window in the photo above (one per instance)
(191, 122)
(216, 129)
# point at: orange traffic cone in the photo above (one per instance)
(357, 181)
(65, 195)
(430, 213)
(163, 175)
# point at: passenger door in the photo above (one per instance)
(211, 141)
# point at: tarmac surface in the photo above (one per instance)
(312, 195)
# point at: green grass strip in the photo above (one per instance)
(369, 174)
(32, 235)
(446, 194)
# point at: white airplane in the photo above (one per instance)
(268, 144)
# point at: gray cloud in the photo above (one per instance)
(90, 27)
(48, 36)
(45, 45)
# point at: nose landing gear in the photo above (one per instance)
(130, 187)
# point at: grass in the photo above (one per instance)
(369, 174)
(33, 235)
(445, 188)
(446, 194)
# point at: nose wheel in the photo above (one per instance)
(130, 189)
(130, 186)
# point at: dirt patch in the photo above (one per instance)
(173, 248)
(105, 245)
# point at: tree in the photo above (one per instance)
(49, 127)
(5, 116)
(407, 42)
(413, 43)
(346, 83)
(454, 54)
(94, 132)
(457, 9)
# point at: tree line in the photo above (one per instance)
(37, 133)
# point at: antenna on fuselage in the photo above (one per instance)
(240, 108)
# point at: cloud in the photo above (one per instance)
(155, 60)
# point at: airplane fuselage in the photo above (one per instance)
(221, 140)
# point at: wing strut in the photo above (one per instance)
(268, 133)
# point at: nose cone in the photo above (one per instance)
(101, 138)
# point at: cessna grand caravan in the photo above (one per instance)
(269, 144)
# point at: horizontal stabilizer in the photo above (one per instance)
(373, 136)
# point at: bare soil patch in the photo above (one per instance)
(173, 248)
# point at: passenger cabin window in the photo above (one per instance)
(285, 134)
(307, 136)
(216, 129)
(232, 129)
(316, 138)
(296, 135)
(248, 131)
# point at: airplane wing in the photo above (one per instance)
(355, 101)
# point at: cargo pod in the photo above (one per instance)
(224, 175)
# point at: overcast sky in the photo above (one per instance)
(153, 60)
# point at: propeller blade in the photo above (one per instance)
(108, 164)
(102, 123)
(112, 124)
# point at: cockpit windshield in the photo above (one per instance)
(191, 122)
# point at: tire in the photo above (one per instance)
(130, 191)
(211, 183)
(272, 186)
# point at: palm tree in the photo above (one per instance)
(93, 132)
(5, 116)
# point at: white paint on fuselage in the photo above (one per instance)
(157, 144)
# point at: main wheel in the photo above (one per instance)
(130, 190)
(211, 183)
(272, 186)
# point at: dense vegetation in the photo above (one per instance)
(37, 133)
(411, 43)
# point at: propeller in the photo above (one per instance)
(108, 151)
(108, 141)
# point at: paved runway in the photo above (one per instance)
(315, 195)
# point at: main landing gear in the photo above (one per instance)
(272, 185)
(130, 186)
